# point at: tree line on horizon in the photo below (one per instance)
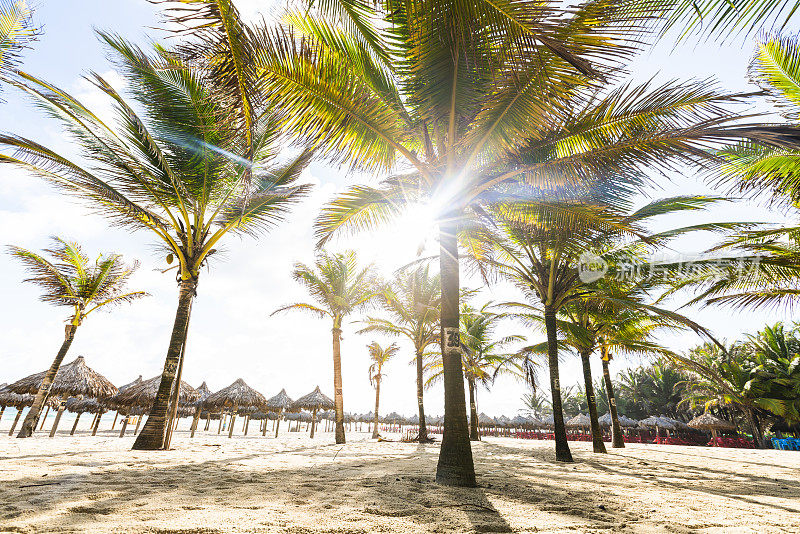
(514, 121)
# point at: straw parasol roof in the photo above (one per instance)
(237, 394)
(605, 420)
(130, 384)
(87, 405)
(315, 400)
(661, 422)
(73, 379)
(279, 402)
(549, 421)
(579, 421)
(709, 422)
(143, 394)
(485, 420)
(9, 398)
(628, 422)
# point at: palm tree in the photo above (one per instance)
(378, 356)
(720, 18)
(541, 246)
(483, 360)
(448, 94)
(183, 172)
(339, 287)
(412, 302)
(71, 279)
(16, 33)
(457, 103)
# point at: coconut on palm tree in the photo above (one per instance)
(84, 286)
(412, 301)
(378, 356)
(339, 286)
(186, 170)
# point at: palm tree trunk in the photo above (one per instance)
(473, 412)
(153, 433)
(16, 420)
(597, 432)
(61, 407)
(751, 420)
(616, 429)
(337, 383)
(422, 437)
(377, 404)
(563, 453)
(172, 412)
(29, 424)
(455, 467)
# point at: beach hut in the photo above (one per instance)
(279, 404)
(203, 392)
(710, 423)
(240, 398)
(313, 402)
(138, 398)
(75, 379)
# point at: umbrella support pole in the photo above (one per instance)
(233, 420)
(247, 424)
(16, 420)
(313, 421)
(124, 426)
(221, 417)
(138, 422)
(75, 424)
(94, 420)
(116, 414)
(61, 406)
(2, 409)
(208, 421)
(195, 421)
(278, 422)
(46, 413)
(97, 423)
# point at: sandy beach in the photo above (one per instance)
(293, 484)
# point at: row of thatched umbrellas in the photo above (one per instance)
(79, 389)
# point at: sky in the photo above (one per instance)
(231, 333)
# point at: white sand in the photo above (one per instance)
(293, 484)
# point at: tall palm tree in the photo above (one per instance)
(540, 247)
(445, 94)
(183, 172)
(378, 356)
(339, 286)
(457, 102)
(16, 33)
(412, 301)
(71, 279)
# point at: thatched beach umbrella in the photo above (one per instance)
(72, 380)
(579, 421)
(628, 422)
(710, 423)
(313, 402)
(240, 397)
(121, 389)
(139, 397)
(81, 406)
(278, 404)
(203, 393)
